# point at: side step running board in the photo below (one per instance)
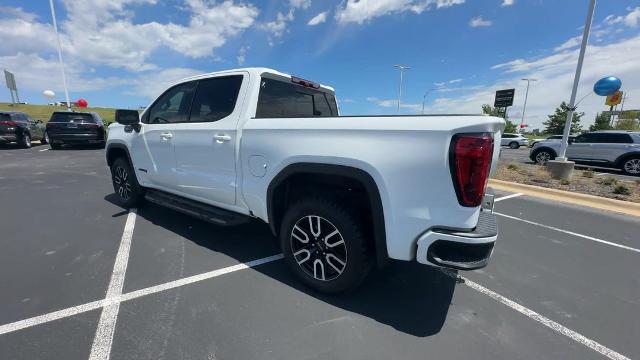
(196, 209)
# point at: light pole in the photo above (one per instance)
(524, 108)
(64, 78)
(576, 80)
(402, 69)
(425, 97)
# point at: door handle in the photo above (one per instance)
(220, 138)
(166, 136)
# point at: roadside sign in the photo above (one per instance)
(614, 99)
(504, 98)
(10, 80)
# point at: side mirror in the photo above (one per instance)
(127, 117)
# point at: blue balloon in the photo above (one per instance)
(607, 86)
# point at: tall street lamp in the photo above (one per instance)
(425, 97)
(64, 78)
(402, 69)
(560, 167)
(524, 108)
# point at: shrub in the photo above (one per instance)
(621, 190)
(565, 182)
(609, 181)
(512, 167)
(588, 174)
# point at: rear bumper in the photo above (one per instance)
(76, 138)
(7, 138)
(459, 249)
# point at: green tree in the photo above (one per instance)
(555, 122)
(602, 123)
(628, 120)
(499, 112)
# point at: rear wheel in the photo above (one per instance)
(25, 140)
(129, 192)
(45, 139)
(324, 245)
(631, 166)
(542, 156)
(514, 145)
(55, 146)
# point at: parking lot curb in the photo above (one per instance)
(598, 202)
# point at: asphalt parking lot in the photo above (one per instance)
(562, 284)
(521, 156)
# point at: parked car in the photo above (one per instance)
(550, 138)
(75, 128)
(341, 193)
(612, 149)
(514, 141)
(20, 128)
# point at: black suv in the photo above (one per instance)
(21, 128)
(75, 128)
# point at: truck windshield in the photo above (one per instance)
(280, 99)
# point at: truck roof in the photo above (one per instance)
(257, 71)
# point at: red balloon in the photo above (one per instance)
(82, 103)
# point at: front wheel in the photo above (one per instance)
(631, 166)
(514, 145)
(45, 139)
(324, 245)
(543, 156)
(129, 192)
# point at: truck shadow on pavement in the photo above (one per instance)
(407, 296)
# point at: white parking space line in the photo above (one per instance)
(594, 345)
(79, 309)
(43, 150)
(101, 348)
(570, 232)
(507, 197)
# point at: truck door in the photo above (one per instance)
(205, 146)
(153, 147)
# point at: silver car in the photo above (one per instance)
(514, 141)
(612, 149)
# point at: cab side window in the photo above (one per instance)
(215, 98)
(173, 106)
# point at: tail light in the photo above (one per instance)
(470, 161)
(8, 123)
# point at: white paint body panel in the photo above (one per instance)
(407, 157)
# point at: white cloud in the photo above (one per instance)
(389, 103)
(360, 11)
(479, 22)
(555, 78)
(279, 25)
(455, 81)
(242, 55)
(304, 4)
(439, 83)
(569, 44)
(507, 3)
(631, 19)
(103, 32)
(318, 19)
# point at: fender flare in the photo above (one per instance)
(118, 146)
(373, 193)
(623, 157)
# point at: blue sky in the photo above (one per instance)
(120, 53)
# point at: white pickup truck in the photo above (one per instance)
(342, 193)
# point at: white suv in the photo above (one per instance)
(612, 149)
(514, 141)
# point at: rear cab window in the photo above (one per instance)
(284, 98)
